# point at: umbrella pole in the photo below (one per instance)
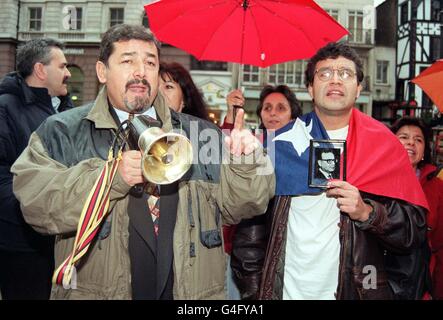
(236, 108)
(245, 6)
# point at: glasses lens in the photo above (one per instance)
(345, 74)
(326, 74)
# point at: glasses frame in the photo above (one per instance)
(339, 71)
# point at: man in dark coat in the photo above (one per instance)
(27, 97)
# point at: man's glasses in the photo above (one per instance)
(326, 74)
(330, 161)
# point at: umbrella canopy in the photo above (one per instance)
(431, 81)
(255, 32)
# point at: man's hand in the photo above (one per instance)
(349, 200)
(234, 98)
(241, 140)
(130, 168)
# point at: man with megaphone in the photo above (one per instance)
(142, 224)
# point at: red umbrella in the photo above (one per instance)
(431, 81)
(255, 32)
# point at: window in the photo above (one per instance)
(208, 65)
(145, 20)
(290, 73)
(75, 85)
(117, 16)
(251, 74)
(436, 14)
(404, 13)
(381, 76)
(355, 18)
(75, 22)
(333, 13)
(35, 19)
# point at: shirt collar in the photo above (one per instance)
(123, 115)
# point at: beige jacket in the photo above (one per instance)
(52, 194)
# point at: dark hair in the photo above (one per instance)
(416, 122)
(124, 32)
(34, 51)
(289, 95)
(320, 151)
(333, 50)
(192, 97)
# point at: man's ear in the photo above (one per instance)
(311, 91)
(101, 70)
(40, 71)
(359, 89)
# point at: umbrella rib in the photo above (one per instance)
(190, 11)
(289, 22)
(218, 28)
(258, 34)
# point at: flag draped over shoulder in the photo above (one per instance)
(290, 152)
(376, 161)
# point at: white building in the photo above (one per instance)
(418, 46)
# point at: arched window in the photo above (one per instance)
(75, 85)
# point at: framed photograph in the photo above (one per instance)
(327, 161)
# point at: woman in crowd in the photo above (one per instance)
(414, 136)
(277, 107)
(180, 91)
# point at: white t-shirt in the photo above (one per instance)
(313, 245)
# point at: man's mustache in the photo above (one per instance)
(136, 81)
(65, 80)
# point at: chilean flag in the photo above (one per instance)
(376, 161)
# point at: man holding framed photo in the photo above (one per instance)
(342, 241)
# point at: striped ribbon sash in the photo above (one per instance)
(93, 213)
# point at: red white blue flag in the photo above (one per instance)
(376, 161)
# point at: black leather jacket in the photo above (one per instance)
(394, 242)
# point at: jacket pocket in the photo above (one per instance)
(209, 217)
(372, 283)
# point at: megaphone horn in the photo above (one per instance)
(166, 156)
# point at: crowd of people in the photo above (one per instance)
(243, 222)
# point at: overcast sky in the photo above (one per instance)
(377, 2)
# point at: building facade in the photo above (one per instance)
(419, 44)
(77, 23)
(384, 57)
(8, 35)
(80, 24)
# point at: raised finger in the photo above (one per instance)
(238, 122)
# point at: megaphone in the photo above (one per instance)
(166, 156)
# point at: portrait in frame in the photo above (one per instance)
(327, 161)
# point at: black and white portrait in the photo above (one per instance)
(326, 162)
